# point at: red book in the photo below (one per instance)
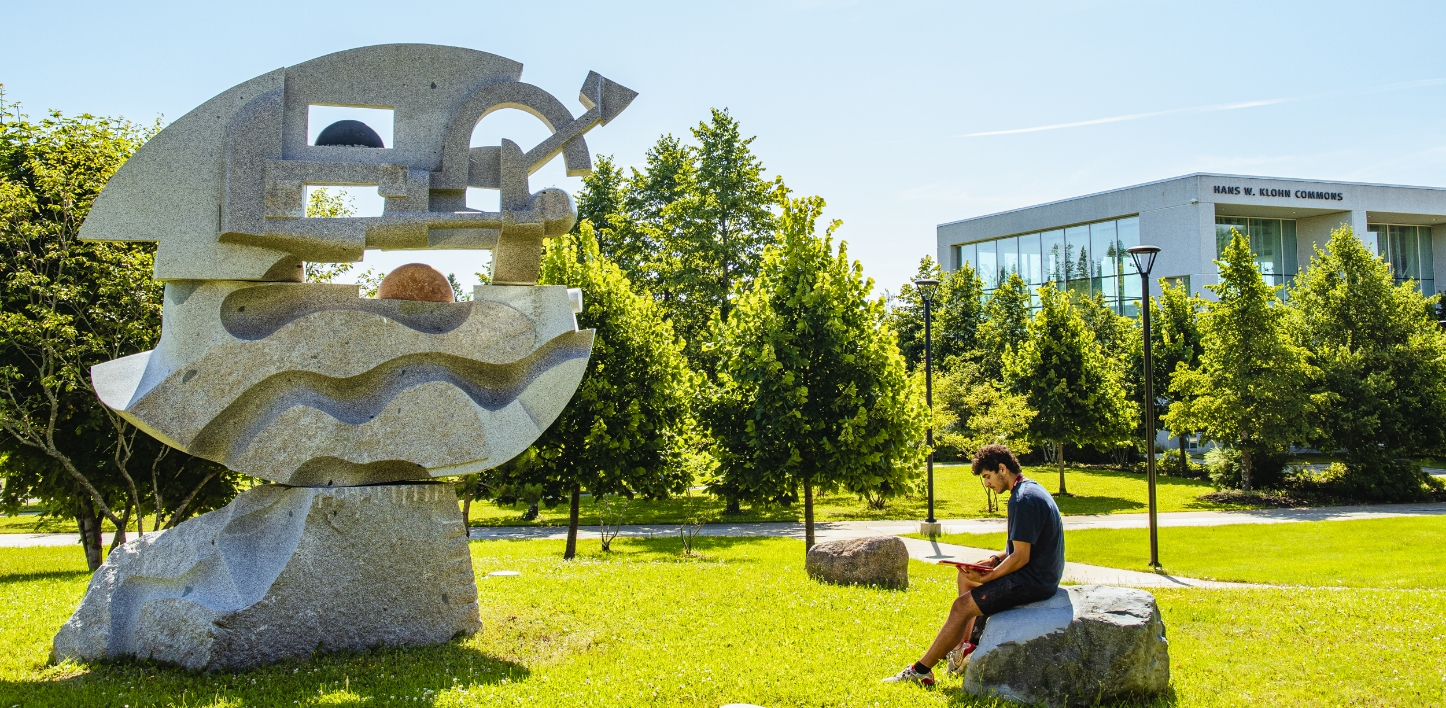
(972, 566)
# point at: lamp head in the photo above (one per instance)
(1144, 257)
(926, 287)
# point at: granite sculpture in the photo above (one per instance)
(308, 384)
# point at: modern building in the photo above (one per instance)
(1080, 243)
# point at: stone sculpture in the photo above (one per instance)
(1087, 645)
(309, 385)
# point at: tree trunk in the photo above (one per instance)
(1244, 467)
(1184, 465)
(733, 506)
(466, 512)
(807, 515)
(571, 550)
(1059, 452)
(119, 539)
(89, 525)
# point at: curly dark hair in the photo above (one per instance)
(990, 457)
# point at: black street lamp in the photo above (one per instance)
(926, 288)
(1144, 261)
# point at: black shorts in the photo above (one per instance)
(1008, 592)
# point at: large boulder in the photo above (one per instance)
(282, 572)
(875, 560)
(1086, 645)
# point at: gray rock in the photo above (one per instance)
(282, 572)
(874, 560)
(1086, 645)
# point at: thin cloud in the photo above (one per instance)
(1205, 109)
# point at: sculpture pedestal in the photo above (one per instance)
(282, 572)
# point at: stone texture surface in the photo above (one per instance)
(416, 281)
(875, 560)
(280, 573)
(307, 384)
(1087, 645)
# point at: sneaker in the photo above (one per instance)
(959, 657)
(909, 674)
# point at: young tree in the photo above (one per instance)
(813, 391)
(66, 305)
(629, 428)
(1175, 341)
(1006, 321)
(1064, 373)
(323, 204)
(957, 313)
(1252, 385)
(1382, 362)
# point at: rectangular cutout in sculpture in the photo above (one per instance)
(319, 117)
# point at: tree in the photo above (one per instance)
(629, 428)
(957, 313)
(812, 389)
(971, 411)
(1175, 341)
(1121, 343)
(322, 204)
(1063, 372)
(66, 305)
(1251, 388)
(1382, 363)
(1006, 321)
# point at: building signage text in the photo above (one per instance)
(1298, 194)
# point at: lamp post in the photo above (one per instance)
(926, 287)
(1144, 257)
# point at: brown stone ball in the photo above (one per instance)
(416, 281)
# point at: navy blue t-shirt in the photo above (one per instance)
(1034, 519)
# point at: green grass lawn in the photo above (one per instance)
(643, 626)
(958, 495)
(1404, 552)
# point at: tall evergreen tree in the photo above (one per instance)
(1006, 321)
(1382, 363)
(813, 392)
(1251, 388)
(1067, 377)
(629, 428)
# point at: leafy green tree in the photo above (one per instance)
(629, 428)
(1006, 321)
(66, 305)
(971, 411)
(1064, 373)
(957, 313)
(1251, 388)
(1382, 364)
(813, 391)
(1175, 344)
(1121, 343)
(323, 204)
(602, 203)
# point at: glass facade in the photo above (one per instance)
(1085, 259)
(1271, 240)
(1408, 250)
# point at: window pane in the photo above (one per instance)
(988, 265)
(1104, 251)
(1128, 235)
(1109, 287)
(1265, 244)
(1403, 255)
(968, 253)
(1428, 259)
(1223, 224)
(1076, 251)
(1030, 266)
(1130, 286)
(1289, 265)
(1052, 246)
(1008, 257)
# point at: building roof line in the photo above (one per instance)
(1183, 177)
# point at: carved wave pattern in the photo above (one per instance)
(256, 313)
(357, 399)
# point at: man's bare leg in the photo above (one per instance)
(965, 585)
(961, 615)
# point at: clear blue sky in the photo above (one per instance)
(902, 115)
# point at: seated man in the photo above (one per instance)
(1029, 571)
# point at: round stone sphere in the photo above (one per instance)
(416, 281)
(349, 133)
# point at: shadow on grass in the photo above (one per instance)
(1095, 505)
(25, 577)
(960, 697)
(335, 679)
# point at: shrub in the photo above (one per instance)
(1168, 464)
(1267, 468)
(1388, 481)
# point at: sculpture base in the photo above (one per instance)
(283, 572)
(930, 528)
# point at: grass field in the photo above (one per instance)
(643, 626)
(1403, 552)
(958, 495)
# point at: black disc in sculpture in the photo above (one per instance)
(350, 133)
